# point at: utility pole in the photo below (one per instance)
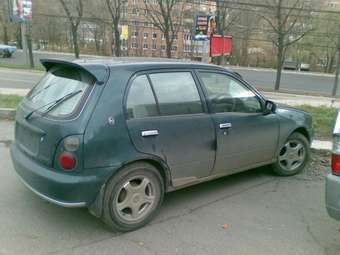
(336, 80)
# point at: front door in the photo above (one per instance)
(245, 136)
(168, 119)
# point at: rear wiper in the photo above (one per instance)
(53, 103)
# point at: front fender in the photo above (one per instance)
(292, 120)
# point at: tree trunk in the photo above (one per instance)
(331, 63)
(74, 29)
(18, 36)
(280, 47)
(280, 60)
(168, 43)
(336, 81)
(117, 40)
(5, 32)
(30, 50)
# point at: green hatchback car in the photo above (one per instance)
(115, 136)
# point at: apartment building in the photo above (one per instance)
(147, 40)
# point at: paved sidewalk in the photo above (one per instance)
(294, 99)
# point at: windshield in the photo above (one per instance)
(57, 84)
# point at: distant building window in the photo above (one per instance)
(187, 37)
(186, 48)
(134, 34)
(146, 35)
(154, 35)
(174, 37)
(135, 11)
(154, 45)
(145, 46)
(173, 48)
(134, 45)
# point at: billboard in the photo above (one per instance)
(205, 26)
(20, 10)
(220, 46)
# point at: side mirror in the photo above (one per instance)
(269, 107)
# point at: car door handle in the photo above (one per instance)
(225, 125)
(147, 133)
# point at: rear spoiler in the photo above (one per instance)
(97, 71)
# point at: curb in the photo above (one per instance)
(7, 113)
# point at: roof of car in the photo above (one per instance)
(123, 61)
(94, 64)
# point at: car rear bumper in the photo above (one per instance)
(63, 189)
(333, 196)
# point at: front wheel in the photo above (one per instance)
(293, 156)
(132, 197)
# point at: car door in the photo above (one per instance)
(245, 136)
(180, 131)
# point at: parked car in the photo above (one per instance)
(116, 136)
(291, 65)
(7, 51)
(304, 67)
(333, 179)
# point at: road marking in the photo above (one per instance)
(17, 80)
(10, 91)
(26, 72)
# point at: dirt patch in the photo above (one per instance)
(320, 164)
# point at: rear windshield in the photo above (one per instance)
(56, 84)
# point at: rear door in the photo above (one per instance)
(176, 127)
(245, 136)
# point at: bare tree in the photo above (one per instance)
(76, 7)
(167, 16)
(288, 27)
(4, 20)
(115, 9)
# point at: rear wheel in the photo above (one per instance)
(293, 155)
(133, 197)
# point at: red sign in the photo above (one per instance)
(220, 46)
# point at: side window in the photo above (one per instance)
(228, 95)
(140, 101)
(176, 93)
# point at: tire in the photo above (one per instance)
(133, 197)
(293, 156)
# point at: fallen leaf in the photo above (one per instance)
(225, 226)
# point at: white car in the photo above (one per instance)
(7, 51)
(333, 179)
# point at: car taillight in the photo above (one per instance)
(336, 155)
(71, 143)
(67, 161)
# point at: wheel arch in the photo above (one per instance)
(96, 208)
(303, 131)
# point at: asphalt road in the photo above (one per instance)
(262, 78)
(265, 215)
